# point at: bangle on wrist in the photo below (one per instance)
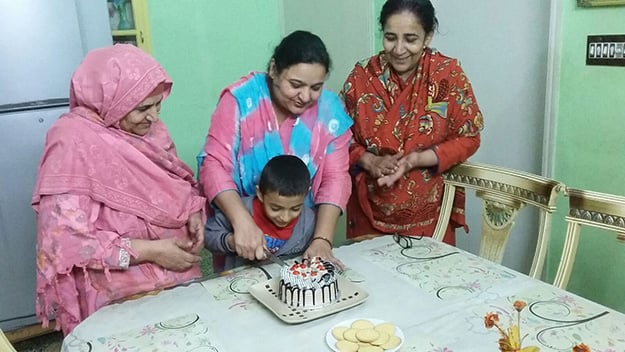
(323, 239)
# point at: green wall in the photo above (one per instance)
(377, 37)
(205, 46)
(590, 148)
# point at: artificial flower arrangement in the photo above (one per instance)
(511, 340)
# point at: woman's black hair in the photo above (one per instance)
(300, 47)
(423, 10)
(286, 175)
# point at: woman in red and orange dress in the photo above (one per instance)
(415, 116)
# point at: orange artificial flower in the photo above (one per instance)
(581, 348)
(510, 340)
(519, 305)
(491, 319)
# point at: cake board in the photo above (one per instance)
(267, 293)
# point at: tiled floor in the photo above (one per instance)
(46, 343)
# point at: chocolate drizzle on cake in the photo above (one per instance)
(310, 284)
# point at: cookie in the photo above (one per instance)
(386, 327)
(350, 335)
(370, 349)
(392, 342)
(338, 332)
(367, 335)
(346, 346)
(382, 339)
(362, 324)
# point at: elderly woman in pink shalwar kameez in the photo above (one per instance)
(118, 213)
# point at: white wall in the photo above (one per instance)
(503, 48)
(345, 27)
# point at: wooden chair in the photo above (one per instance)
(503, 193)
(5, 344)
(598, 210)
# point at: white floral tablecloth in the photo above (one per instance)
(437, 294)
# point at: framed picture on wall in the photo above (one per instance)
(592, 3)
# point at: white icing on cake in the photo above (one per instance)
(311, 284)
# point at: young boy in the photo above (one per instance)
(278, 210)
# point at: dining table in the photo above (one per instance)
(437, 295)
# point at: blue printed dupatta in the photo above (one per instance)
(259, 140)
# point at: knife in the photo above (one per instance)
(274, 258)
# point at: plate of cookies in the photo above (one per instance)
(365, 335)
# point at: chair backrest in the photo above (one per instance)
(503, 193)
(5, 344)
(587, 208)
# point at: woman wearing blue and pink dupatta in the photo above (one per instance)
(286, 111)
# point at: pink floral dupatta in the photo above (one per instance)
(140, 177)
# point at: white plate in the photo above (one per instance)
(331, 341)
(267, 293)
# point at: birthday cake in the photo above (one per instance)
(310, 284)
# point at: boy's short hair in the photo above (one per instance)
(286, 175)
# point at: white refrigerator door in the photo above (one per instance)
(43, 43)
(22, 134)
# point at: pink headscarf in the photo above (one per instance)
(87, 154)
(112, 81)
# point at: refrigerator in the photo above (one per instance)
(42, 43)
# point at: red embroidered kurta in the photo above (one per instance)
(434, 109)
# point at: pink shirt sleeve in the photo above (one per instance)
(334, 184)
(67, 235)
(221, 148)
